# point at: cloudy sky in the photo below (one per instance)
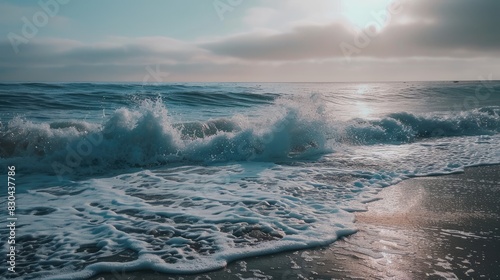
(248, 40)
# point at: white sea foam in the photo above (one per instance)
(194, 218)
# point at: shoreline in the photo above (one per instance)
(436, 227)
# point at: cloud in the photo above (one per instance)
(306, 42)
(65, 60)
(432, 28)
(116, 50)
(457, 24)
(446, 39)
(117, 58)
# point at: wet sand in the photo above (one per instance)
(442, 227)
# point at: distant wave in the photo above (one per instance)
(85, 96)
(398, 128)
(221, 99)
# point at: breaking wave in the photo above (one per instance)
(145, 136)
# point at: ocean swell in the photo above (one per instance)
(145, 136)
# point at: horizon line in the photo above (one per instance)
(227, 82)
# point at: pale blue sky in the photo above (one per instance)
(92, 20)
(249, 40)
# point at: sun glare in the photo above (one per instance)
(361, 13)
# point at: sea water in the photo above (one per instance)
(186, 177)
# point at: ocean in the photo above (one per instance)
(186, 177)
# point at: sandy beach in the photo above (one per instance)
(442, 227)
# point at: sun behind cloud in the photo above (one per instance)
(360, 13)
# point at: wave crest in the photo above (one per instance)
(145, 136)
(403, 127)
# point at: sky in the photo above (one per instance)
(248, 40)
